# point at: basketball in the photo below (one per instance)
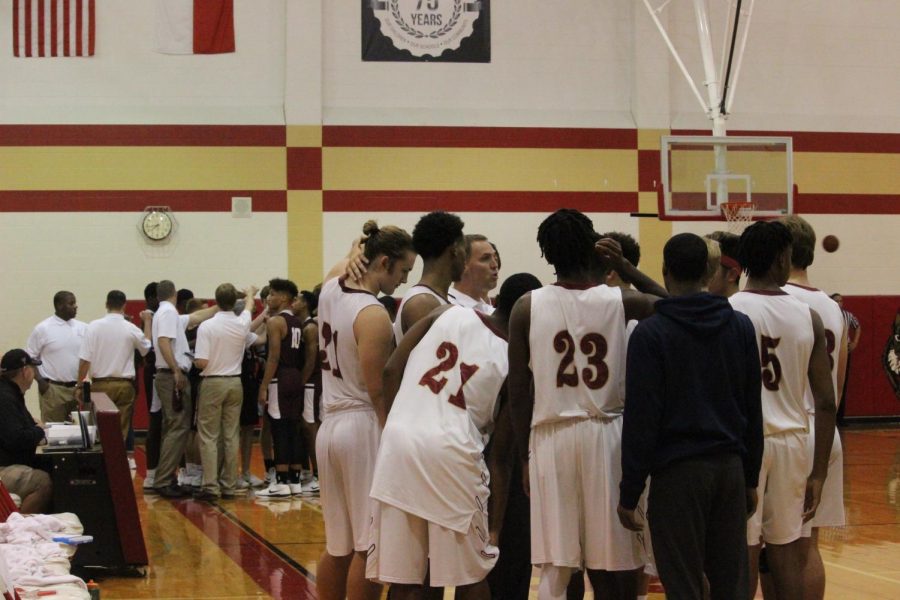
(830, 243)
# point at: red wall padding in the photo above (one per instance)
(869, 394)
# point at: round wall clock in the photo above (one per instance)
(156, 224)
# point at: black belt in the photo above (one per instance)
(168, 370)
(99, 379)
(217, 376)
(63, 383)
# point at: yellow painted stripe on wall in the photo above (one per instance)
(142, 168)
(479, 169)
(652, 236)
(304, 237)
(847, 173)
(648, 139)
(306, 136)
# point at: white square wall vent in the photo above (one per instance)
(241, 207)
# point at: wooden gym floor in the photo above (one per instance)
(249, 548)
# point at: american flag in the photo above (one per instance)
(53, 28)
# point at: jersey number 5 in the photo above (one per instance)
(448, 354)
(594, 347)
(771, 366)
(330, 338)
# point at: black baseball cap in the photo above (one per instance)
(16, 359)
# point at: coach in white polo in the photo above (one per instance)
(55, 342)
(480, 276)
(107, 355)
(219, 351)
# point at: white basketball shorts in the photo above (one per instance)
(574, 470)
(345, 448)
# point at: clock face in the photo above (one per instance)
(157, 225)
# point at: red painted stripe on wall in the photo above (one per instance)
(648, 170)
(413, 201)
(847, 204)
(824, 141)
(478, 137)
(304, 168)
(142, 135)
(136, 201)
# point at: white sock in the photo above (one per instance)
(642, 598)
(554, 581)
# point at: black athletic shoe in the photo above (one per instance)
(171, 491)
(203, 496)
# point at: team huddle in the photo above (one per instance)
(425, 418)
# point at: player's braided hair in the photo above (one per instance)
(761, 245)
(566, 239)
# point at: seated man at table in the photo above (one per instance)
(20, 434)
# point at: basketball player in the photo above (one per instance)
(304, 307)
(831, 509)
(355, 341)
(438, 239)
(793, 354)
(726, 281)
(479, 276)
(431, 481)
(568, 340)
(281, 388)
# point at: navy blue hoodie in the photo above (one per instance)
(692, 389)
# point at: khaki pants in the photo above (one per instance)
(23, 481)
(176, 425)
(121, 392)
(219, 430)
(57, 402)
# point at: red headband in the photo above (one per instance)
(727, 261)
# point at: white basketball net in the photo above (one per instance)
(738, 215)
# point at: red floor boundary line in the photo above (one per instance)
(277, 576)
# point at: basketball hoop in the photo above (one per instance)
(738, 215)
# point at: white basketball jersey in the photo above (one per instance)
(785, 338)
(577, 343)
(410, 293)
(343, 387)
(833, 320)
(430, 461)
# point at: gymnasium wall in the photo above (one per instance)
(568, 112)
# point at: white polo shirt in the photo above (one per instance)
(222, 341)
(168, 323)
(109, 345)
(460, 299)
(56, 343)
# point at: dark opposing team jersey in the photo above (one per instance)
(290, 364)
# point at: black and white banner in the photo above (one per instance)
(426, 30)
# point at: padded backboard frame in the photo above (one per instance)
(761, 170)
